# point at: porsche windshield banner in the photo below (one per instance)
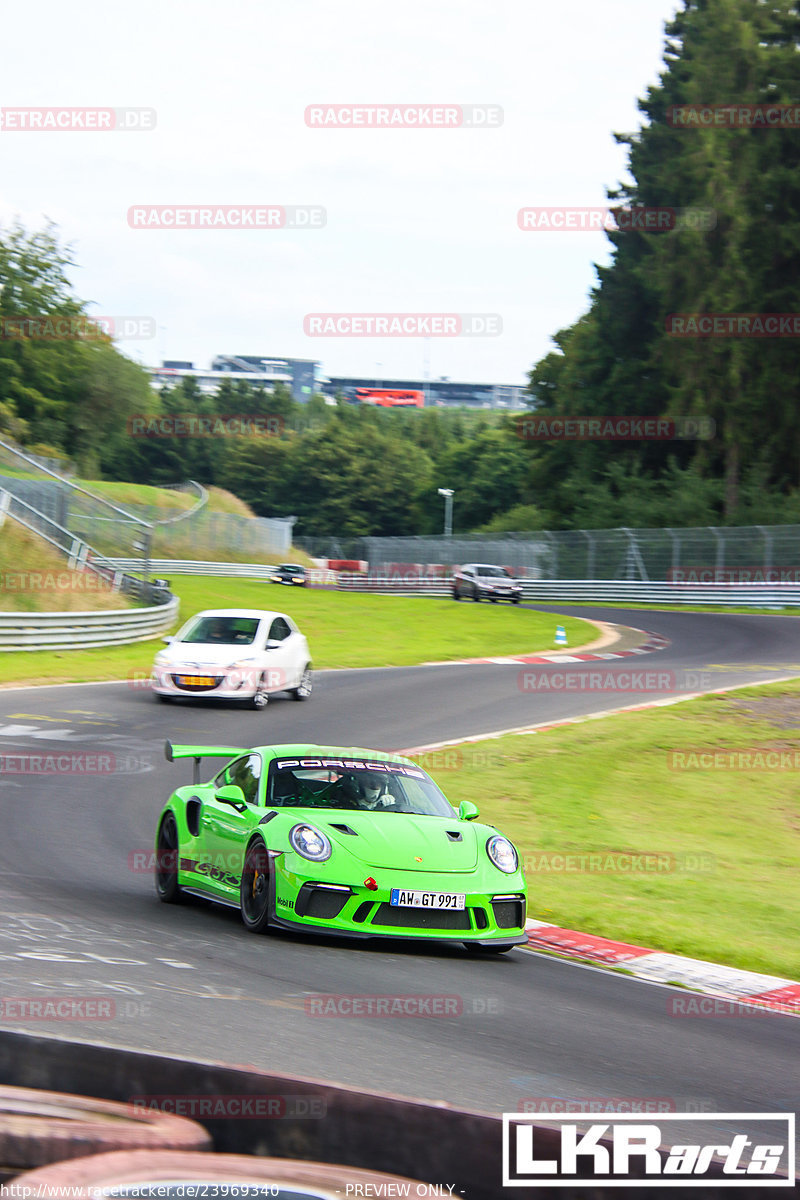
(348, 764)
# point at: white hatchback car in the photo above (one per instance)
(234, 654)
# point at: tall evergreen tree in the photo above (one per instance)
(620, 357)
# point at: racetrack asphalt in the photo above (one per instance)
(79, 919)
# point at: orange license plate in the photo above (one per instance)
(196, 680)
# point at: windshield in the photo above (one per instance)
(290, 569)
(232, 631)
(494, 572)
(347, 784)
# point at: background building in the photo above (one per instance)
(304, 378)
(437, 392)
(298, 373)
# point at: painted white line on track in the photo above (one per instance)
(664, 702)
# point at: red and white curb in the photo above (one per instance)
(723, 983)
(654, 642)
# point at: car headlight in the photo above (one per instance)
(502, 854)
(161, 660)
(310, 843)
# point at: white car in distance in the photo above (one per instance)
(241, 654)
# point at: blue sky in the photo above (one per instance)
(417, 220)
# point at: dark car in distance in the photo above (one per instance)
(289, 573)
(483, 581)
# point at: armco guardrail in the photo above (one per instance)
(569, 591)
(545, 591)
(79, 630)
(753, 595)
(168, 566)
(400, 585)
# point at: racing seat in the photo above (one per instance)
(284, 789)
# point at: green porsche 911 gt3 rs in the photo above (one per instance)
(352, 842)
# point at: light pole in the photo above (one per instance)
(448, 510)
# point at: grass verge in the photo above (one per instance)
(344, 630)
(724, 880)
(34, 578)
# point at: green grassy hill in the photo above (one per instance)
(35, 578)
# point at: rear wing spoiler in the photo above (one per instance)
(198, 752)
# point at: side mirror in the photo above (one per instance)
(272, 644)
(168, 640)
(231, 793)
(467, 811)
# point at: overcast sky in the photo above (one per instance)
(418, 220)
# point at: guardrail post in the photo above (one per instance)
(5, 500)
(767, 546)
(634, 556)
(590, 557)
(676, 549)
(720, 563)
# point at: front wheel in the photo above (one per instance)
(254, 888)
(260, 698)
(305, 686)
(455, 594)
(167, 851)
(476, 596)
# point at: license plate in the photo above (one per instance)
(403, 899)
(196, 680)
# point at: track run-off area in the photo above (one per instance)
(79, 916)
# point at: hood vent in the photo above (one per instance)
(343, 829)
(453, 835)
